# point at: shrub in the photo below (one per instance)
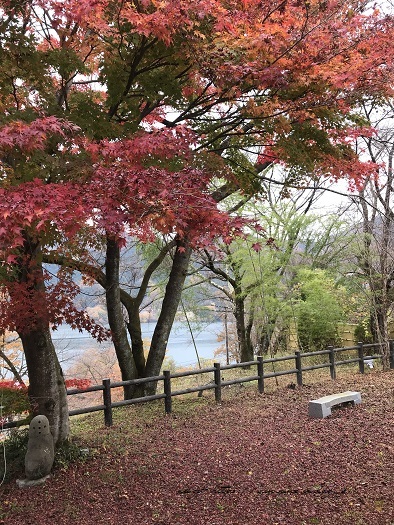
(81, 384)
(13, 399)
(15, 446)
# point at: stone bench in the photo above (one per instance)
(321, 407)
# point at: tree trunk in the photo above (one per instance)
(381, 331)
(115, 317)
(137, 343)
(169, 308)
(248, 332)
(245, 349)
(47, 392)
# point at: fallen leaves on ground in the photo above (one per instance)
(254, 459)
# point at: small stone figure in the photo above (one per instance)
(40, 449)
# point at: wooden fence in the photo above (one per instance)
(217, 382)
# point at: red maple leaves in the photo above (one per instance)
(172, 84)
(28, 137)
(137, 186)
(81, 384)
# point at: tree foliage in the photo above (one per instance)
(320, 310)
(118, 117)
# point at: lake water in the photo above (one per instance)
(70, 343)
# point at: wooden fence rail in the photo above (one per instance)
(218, 383)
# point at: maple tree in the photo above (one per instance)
(117, 118)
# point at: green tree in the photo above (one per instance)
(320, 310)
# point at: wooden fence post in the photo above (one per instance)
(218, 382)
(331, 356)
(260, 373)
(298, 364)
(391, 346)
(107, 402)
(167, 391)
(361, 357)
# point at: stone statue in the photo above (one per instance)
(40, 449)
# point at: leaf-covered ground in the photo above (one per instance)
(254, 459)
